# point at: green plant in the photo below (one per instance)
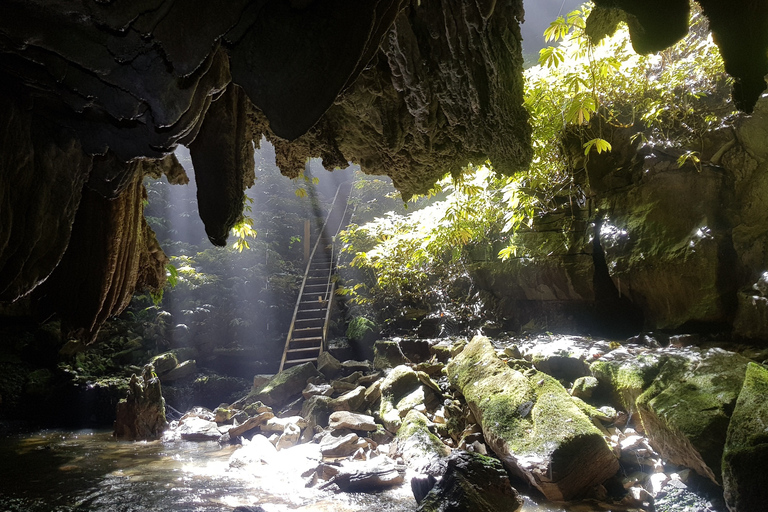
(359, 327)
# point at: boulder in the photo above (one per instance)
(583, 387)
(401, 383)
(626, 375)
(367, 476)
(289, 437)
(316, 410)
(256, 451)
(317, 389)
(182, 371)
(345, 419)
(388, 354)
(195, 428)
(532, 424)
(745, 485)
(279, 424)
(419, 447)
(472, 483)
(328, 365)
(343, 446)
(686, 411)
(249, 424)
(165, 362)
(285, 385)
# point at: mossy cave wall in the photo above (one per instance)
(95, 95)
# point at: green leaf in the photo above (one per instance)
(599, 144)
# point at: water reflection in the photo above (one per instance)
(60, 471)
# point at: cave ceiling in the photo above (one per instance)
(96, 94)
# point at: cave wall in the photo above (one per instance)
(410, 89)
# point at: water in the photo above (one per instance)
(86, 470)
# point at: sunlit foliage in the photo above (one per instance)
(580, 89)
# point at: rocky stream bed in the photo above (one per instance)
(567, 422)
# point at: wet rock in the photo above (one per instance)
(289, 437)
(349, 367)
(746, 447)
(532, 424)
(344, 419)
(141, 415)
(368, 476)
(472, 483)
(316, 410)
(256, 451)
(686, 411)
(387, 354)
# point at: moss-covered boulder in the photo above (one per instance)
(626, 375)
(397, 391)
(686, 411)
(532, 424)
(472, 483)
(746, 445)
(285, 385)
(419, 447)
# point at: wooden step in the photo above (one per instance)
(312, 339)
(306, 351)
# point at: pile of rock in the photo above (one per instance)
(614, 424)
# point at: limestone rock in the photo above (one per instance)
(532, 424)
(289, 436)
(367, 476)
(352, 400)
(141, 415)
(472, 483)
(343, 446)
(687, 409)
(583, 387)
(256, 451)
(746, 445)
(249, 424)
(353, 421)
(627, 375)
(279, 424)
(163, 363)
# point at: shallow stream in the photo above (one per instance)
(78, 471)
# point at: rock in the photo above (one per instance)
(583, 387)
(746, 445)
(289, 437)
(256, 451)
(279, 424)
(199, 412)
(163, 363)
(686, 411)
(141, 415)
(532, 424)
(562, 357)
(328, 365)
(182, 371)
(223, 414)
(316, 410)
(345, 419)
(349, 367)
(250, 424)
(472, 483)
(343, 446)
(255, 408)
(195, 428)
(367, 476)
(317, 389)
(415, 349)
(285, 385)
(387, 354)
(421, 485)
(419, 447)
(399, 384)
(627, 375)
(441, 351)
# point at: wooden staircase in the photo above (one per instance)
(307, 335)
